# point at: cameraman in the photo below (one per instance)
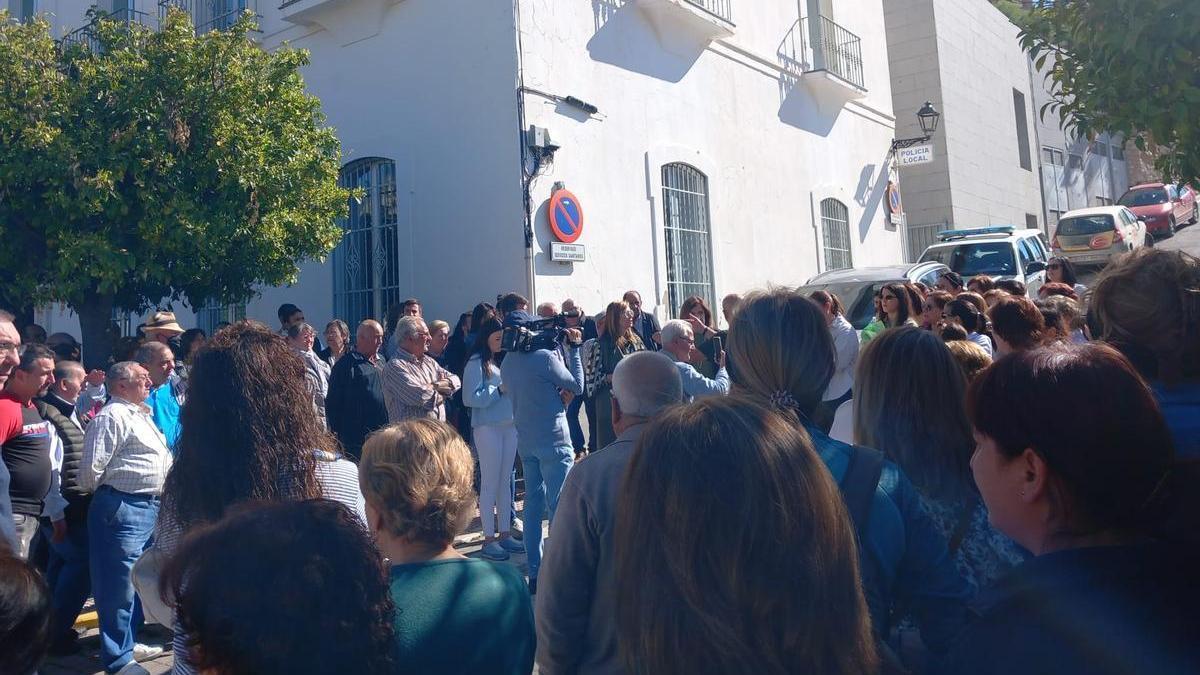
(535, 380)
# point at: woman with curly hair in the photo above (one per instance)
(284, 588)
(247, 434)
(453, 614)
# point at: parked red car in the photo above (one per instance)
(1162, 206)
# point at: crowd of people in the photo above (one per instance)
(978, 482)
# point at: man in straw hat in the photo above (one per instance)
(162, 327)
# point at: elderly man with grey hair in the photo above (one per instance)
(301, 337)
(125, 463)
(414, 385)
(576, 612)
(679, 341)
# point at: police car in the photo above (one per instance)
(1000, 252)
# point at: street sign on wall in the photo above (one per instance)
(560, 252)
(566, 216)
(918, 154)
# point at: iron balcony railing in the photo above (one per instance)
(210, 15)
(718, 8)
(86, 35)
(840, 51)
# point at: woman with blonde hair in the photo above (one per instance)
(617, 341)
(780, 594)
(971, 358)
(453, 614)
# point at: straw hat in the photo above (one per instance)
(162, 322)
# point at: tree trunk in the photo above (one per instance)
(95, 326)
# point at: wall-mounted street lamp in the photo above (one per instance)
(928, 117)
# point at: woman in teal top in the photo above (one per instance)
(453, 614)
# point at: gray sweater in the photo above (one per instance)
(576, 601)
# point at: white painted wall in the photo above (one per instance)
(431, 84)
(769, 157)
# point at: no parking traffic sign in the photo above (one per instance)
(566, 216)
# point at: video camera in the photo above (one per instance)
(535, 334)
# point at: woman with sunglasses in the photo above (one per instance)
(931, 309)
(897, 306)
(1062, 270)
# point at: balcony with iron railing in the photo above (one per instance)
(210, 15)
(682, 23)
(826, 57)
(721, 9)
(86, 35)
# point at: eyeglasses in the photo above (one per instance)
(1054, 266)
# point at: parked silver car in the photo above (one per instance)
(856, 287)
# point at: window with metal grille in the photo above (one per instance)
(687, 230)
(211, 314)
(366, 275)
(835, 230)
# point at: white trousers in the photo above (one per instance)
(496, 445)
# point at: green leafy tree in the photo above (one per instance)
(141, 165)
(1125, 67)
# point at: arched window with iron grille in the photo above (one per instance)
(366, 275)
(835, 232)
(687, 229)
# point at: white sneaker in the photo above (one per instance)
(143, 652)
(132, 668)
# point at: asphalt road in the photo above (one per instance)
(1186, 239)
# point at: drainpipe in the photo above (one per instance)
(526, 178)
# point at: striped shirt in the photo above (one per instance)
(408, 387)
(124, 450)
(338, 479)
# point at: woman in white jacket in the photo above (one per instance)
(845, 343)
(495, 438)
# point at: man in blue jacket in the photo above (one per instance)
(540, 384)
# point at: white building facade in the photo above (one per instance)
(964, 57)
(712, 147)
(1076, 173)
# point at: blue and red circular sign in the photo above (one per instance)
(894, 198)
(566, 216)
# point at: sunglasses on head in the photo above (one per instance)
(1054, 266)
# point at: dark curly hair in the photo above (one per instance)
(285, 587)
(248, 430)
(24, 615)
